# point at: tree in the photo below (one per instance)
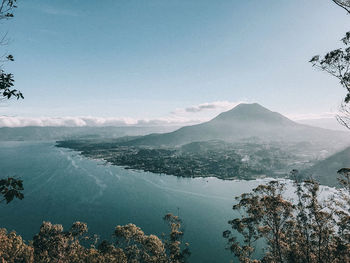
(266, 216)
(305, 229)
(337, 64)
(10, 188)
(173, 244)
(6, 79)
(53, 244)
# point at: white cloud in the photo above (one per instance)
(6, 121)
(209, 106)
(180, 117)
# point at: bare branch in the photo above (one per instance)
(343, 4)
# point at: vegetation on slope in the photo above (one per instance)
(311, 228)
(131, 244)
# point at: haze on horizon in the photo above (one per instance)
(170, 61)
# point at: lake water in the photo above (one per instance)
(61, 186)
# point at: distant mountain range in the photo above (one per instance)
(36, 133)
(247, 121)
(248, 141)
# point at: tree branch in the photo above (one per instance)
(347, 9)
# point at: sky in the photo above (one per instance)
(117, 62)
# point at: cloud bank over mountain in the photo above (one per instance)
(89, 121)
(181, 116)
(185, 116)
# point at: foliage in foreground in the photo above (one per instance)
(131, 244)
(337, 64)
(6, 79)
(311, 228)
(10, 187)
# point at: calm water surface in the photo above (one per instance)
(62, 187)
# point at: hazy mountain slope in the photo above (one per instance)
(34, 133)
(245, 121)
(326, 123)
(325, 171)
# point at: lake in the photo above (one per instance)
(62, 187)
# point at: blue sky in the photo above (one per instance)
(149, 59)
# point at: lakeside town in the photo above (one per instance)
(241, 160)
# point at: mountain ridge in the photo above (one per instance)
(242, 122)
(325, 171)
(253, 111)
